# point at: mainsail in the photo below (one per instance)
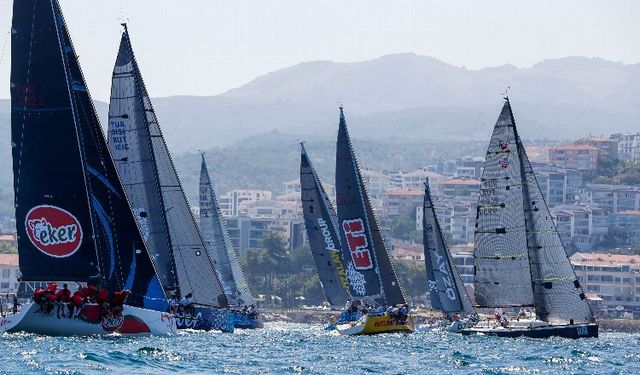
(321, 222)
(153, 187)
(550, 281)
(74, 220)
(502, 272)
(367, 264)
(445, 285)
(218, 243)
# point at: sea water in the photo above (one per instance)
(288, 348)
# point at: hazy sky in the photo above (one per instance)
(205, 47)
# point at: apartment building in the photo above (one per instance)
(628, 146)
(582, 226)
(581, 157)
(607, 146)
(614, 198)
(613, 277)
(230, 202)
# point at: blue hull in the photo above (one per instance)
(207, 319)
(245, 321)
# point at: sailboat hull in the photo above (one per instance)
(207, 319)
(246, 321)
(373, 325)
(134, 321)
(575, 331)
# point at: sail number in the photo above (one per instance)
(358, 245)
(118, 136)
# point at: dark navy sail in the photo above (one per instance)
(321, 222)
(75, 220)
(445, 285)
(367, 264)
(219, 246)
(153, 185)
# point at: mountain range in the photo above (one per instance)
(395, 98)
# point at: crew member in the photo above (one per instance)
(63, 296)
(187, 305)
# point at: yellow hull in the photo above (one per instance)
(373, 325)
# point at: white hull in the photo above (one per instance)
(134, 321)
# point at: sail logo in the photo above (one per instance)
(53, 230)
(112, 323)
(446, 277)
(504, 145)
(324, 228)
(358, 244)
(504, 162)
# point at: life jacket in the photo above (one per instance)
(78, 298)
(89, 291)
(103, 295)
(38, 294)
(63, 295)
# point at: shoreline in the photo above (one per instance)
(420, 317)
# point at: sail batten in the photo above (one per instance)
(322, 230)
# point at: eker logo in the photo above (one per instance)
(53, 230)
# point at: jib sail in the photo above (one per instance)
(74, 219)
(321, 223)
(218, 243)
(367, 263)
(153, 186)
(557, 293)
(445, 285)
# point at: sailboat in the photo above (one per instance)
(370, 274)
(320, 220)
(446, 289)
(74, 222)
(221, 251)
(158, 200)
(519, 258)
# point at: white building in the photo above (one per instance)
(9, 272)
(614, 277)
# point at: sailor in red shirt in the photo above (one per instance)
(77, 302)
(89, 293)
(63, 296)
(103, 301)
(117, 301)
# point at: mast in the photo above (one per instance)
(558, 295)
(218, 243)
(501, 260)
(369, 270)
(322, 230)
(445, 285)
(78, 225)
(145, 164)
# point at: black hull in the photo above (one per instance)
(576, 331)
